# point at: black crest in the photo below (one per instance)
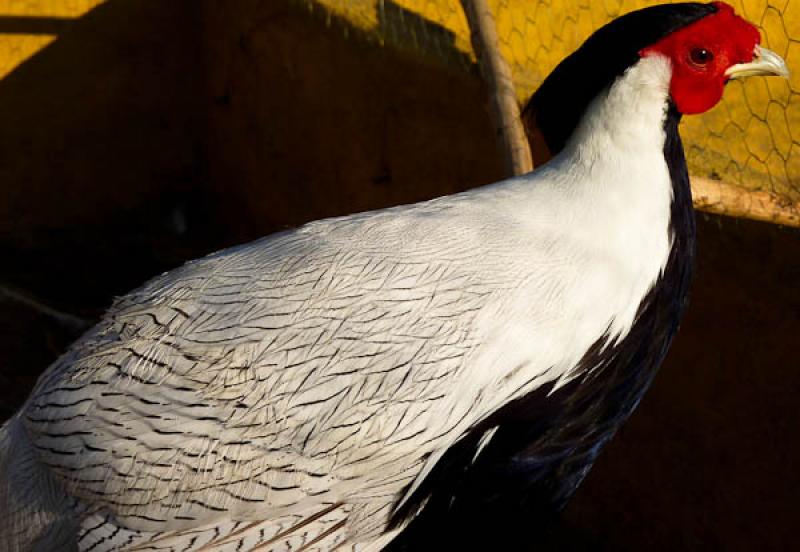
(561, 100)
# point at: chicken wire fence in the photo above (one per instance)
(750, 140)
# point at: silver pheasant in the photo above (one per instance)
(294, 393)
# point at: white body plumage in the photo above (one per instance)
(290, 391)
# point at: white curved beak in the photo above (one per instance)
(765, 62)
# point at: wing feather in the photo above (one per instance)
(261, 379)
(326, 364)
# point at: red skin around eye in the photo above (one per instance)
(729, 38)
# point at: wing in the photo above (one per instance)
(274, 374)
(332, 363)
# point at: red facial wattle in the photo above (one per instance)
(700, 54)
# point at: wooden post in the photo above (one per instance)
(497, 75)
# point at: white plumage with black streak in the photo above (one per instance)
(312, 390)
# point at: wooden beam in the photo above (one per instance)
(721, 198)
(497, 76)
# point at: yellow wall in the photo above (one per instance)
(751, 139)
(26, 40)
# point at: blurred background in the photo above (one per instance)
(137, 134)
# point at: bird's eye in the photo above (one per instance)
(701, 56)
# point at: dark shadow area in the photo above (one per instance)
(708, 461)
(34, 25)
(153, 132)
(102, 164)
(312, 118)
(101, 133)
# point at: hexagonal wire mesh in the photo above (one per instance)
(750, 140)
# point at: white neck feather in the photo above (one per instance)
(619, 148)
(608, 196)
(628, 116)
